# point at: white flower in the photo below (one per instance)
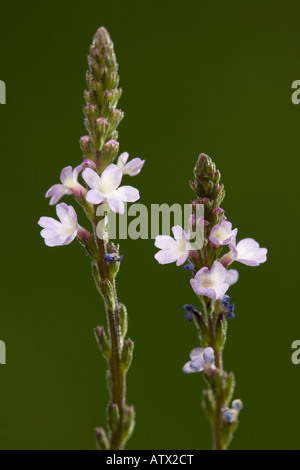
(248, 252)
(60, 233)
(222, 234)
(173, 250)
(105, 188)
(131, 168)
(70, 185)
(211, 282)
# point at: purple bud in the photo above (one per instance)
(205, 200)
(111, 149)
(87, 146)
(218, 210)
(83, 234)
(87, 163)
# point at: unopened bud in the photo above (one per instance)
(110, 151)
(87, 146)
(127, 354)
(101, 439)
(113, 416)
(103, 342)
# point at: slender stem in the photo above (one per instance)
(117, 375)
(219, 405)
(219, 400)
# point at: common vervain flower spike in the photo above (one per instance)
(211, 279)
(99, 192)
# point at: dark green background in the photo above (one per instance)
(197, 76)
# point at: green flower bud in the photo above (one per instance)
(103, 342)
(101, 439)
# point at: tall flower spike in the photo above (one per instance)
(211, 279)
(101, 114)
(207, 187)
(100, 148)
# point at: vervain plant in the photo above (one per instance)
(210, 281)
(99, 193)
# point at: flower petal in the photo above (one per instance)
(133, 167)
(179, 233)
(123, 159)
(94, 197)
(232, 276)
(65, 172)
(189, 368)
(91, 178)
(62, 212)
(195, 286)
(182, 258)
(56, 192)
(111, 178)
(48, 222)
(127, 194)
(165, 257)
(196, 352)
(209, 355)
(116, 205)
(218, 272)
(164, 241)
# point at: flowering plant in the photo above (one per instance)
(210, 281)
(99, 193)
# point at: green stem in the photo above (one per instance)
(219, 400)
(217, 424)
(117, 375)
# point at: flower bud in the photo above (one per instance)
(128, 423)
(103, 342)
(87, 146)
(100, 127)
(110, 151)
(127, 354)
(91, 111)
(237, 405)
(113, 416)
(123, 320)
(101, 439)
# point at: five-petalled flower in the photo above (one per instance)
(69, 184)
(211, 282)
(131, 168)
(105, 188)
(222, 234)
(60, 233)
(173, 250)
(201, 360)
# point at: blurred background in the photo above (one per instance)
(211, 77)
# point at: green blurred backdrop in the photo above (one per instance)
(198, 76)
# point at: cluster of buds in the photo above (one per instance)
(99, 192)
(211, 279)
